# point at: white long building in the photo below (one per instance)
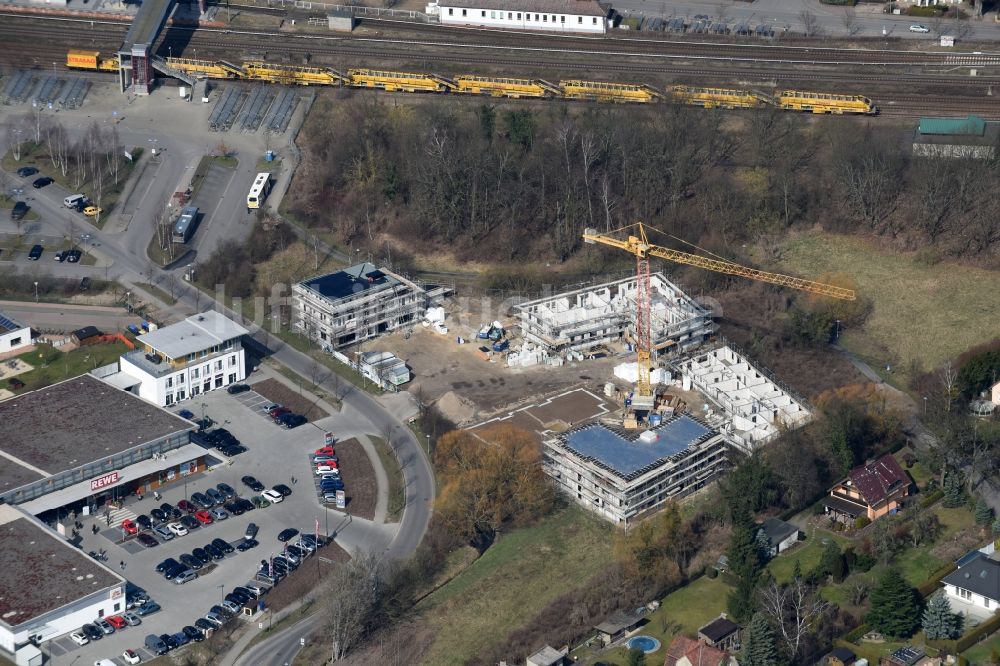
(581, 16)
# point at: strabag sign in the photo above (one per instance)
(104, 481)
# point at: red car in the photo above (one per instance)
(204, 517)
(325, 451)
(184, 505)
(117, 621)
(129, 526)
(280, 411)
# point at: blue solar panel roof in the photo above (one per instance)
(628, 456)
(350, 281)
(8, 324)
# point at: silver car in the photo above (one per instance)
(218, 514)
(163, 532)
(131, 619)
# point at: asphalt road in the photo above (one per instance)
(65, 317)
(281, 648)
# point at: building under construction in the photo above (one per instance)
(357, 304)
(604, 316)
(622, 475)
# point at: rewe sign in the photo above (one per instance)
(104, 481)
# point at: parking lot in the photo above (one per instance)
(275, 455)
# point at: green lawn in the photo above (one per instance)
(807, 553)
(51, 365)
(397, 494)
(514, 580)
(980, 652)
(927, 313)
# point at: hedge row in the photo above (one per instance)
(854, 634)
(933, 584)
(931, 498)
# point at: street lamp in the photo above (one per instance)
(838, 331)
(36, 291)
(222, 589)
(925, 405)
(428, 444)
(128, 296)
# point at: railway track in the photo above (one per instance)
(42, 43)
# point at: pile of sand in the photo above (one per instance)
(455, 408)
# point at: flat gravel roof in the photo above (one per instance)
(39, 572)
(75, 422)
(626, 456)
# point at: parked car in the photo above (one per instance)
(232, 450)
(185, 577)
(174, 572)
(19, 210)
(92, 632)
(283, 489)
(147, 608)
(79, 637)
(202, 555)
(117, 621)
(204, 517)
(24, 172)
(147, 540)
(178, 529)
(143, 521)
(215, 496)
(168, 639)
(247, 544)
(130, 656)
(234, 508)
(164, 532)
(234, 609)
(193, 633)
(73, 256)
(324, 469)
(215, 619)
(203, 624)
(273, 496)
(218, 513)
(305, 545)
(227, 490)
(36, 252)
(278, 412)
(916, 27)
(256, 590)
(251, 531)
(155, 645)
(202, 500)
(191, 561)
(187, 506)
(131, 619)
(184, 413)
(129, 527)
(214, 552)
(286, 534)
(245, 504)
(222, 545)
(290, 420)
(170, 510)
(158, 515)
(39, 183)
(233, 389)
(252, 483)
(104, 626)
(325, 450)
(60, 256)
(190, 522)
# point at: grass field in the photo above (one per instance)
(923, 313)
(397, 494)
(51, 365)
(514, 580)
(807, 553)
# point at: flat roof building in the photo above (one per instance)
(47, 587)
(183, 360)
(604, 315)
(356, 304)
(13, 334)
(970, 137)
(582, 16)
(622, 474)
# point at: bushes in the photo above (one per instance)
(932, 584)
(862, 522)
(931, 498)
(848, 3)
(855, 634)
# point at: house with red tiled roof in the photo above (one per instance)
(873, 490)
(684, 651)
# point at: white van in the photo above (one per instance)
(74, 200)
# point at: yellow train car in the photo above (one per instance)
(91, 60)
(814, 102)
(301, 76)
(210, 69)
(513, 88)
(718, 98)
(601, 91)
(398, 81)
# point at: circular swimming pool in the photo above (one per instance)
(647, 644)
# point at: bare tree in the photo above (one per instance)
(37, 122)
(810, 23)
(792, 609)
(15, 139)
(857, 590)
(850, 21)
(948, 376)
(352, 601)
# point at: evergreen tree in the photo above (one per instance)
(839, 570)
(996, 526)
(828, 560)
(759, 648)
(744, 560)
(741, 602)
(938, 620)
(954, 494)
(763, 545)
(797, 571)
(636, 657)
(983, 514)
(895, 610)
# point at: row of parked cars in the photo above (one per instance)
(327, 472)
(217, 616)
(297, 548)
(220, 439)
(284, 417)
(138, 605)
(191, 563)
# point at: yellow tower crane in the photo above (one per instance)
(637, 242)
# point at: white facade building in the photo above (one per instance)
(178, 362)
(13, 334)
(974, 588)
(582, 16)
(48, 588)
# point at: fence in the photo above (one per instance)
(354, 10)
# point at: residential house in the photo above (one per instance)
(88, 335)
(974, 588)
(548, 656)
(616, 625)
(872, 490)
(684, 651)
(721, 633)
(780, 535)
(995, 394)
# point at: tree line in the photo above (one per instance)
(511, 182)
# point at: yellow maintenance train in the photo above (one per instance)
(599, 91)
